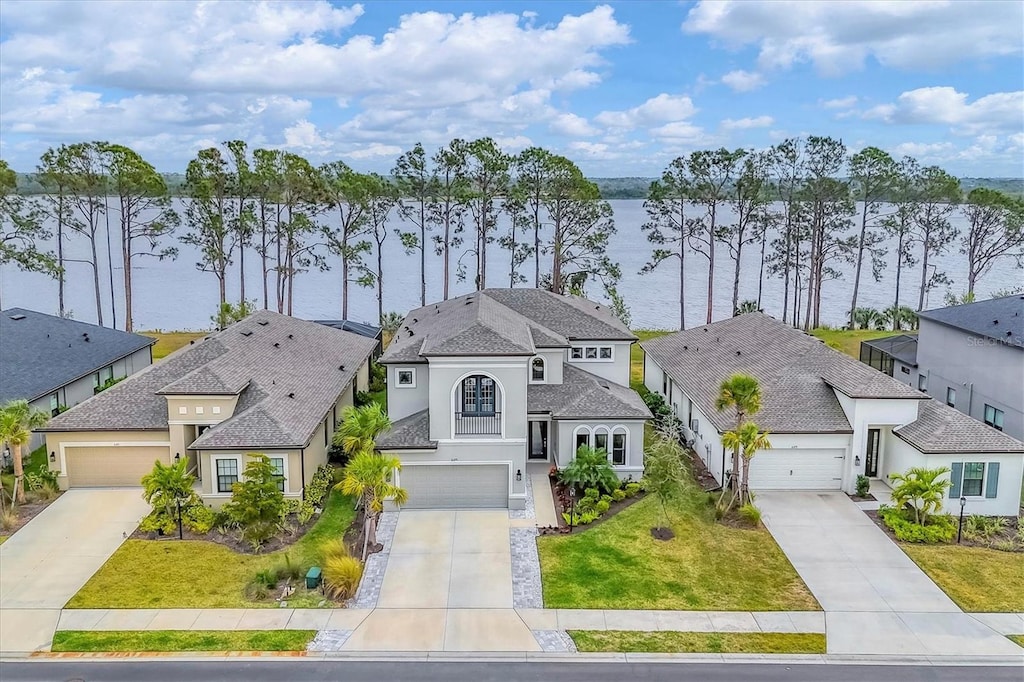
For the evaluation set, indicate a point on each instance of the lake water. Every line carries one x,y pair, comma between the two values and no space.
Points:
173,295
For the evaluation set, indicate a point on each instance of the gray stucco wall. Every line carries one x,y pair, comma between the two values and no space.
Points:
616,369
403,400
981,370
565,440
508,372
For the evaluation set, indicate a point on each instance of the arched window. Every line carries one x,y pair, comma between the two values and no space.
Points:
479,396
581,436
601,438
538,370
620,441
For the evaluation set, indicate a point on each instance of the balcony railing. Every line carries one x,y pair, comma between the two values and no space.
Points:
477,424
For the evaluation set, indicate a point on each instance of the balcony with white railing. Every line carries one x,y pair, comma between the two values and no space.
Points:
478,423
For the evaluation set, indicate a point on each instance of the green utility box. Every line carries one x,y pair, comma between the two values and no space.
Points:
313,578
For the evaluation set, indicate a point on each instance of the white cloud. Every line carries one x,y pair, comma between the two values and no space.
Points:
571,125
743,81
679,131
747,123
658,109
375,151
838,37
840,103
1000,111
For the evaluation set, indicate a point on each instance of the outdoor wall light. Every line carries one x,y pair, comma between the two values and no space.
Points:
53,456
856,460
519,474
177,457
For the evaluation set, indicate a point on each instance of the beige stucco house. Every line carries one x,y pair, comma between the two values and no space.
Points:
270,384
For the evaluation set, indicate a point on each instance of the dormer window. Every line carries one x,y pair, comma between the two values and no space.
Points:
538,370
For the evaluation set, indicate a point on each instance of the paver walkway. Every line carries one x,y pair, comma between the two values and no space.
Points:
876,600
46,562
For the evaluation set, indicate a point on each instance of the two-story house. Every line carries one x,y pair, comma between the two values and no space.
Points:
830,418
482,384
269,384
55,363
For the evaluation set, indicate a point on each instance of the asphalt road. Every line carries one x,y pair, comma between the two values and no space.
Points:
366,671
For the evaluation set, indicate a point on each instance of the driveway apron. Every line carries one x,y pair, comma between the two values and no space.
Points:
447,587
47,561
876,600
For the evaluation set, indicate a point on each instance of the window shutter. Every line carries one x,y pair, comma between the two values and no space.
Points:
992,485
956,475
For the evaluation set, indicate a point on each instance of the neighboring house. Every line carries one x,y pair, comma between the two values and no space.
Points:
830,418
971,357
361,328
894,355
269,384
55,363
482,384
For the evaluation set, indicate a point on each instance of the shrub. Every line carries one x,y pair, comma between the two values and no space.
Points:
619,495
585,504
8,518
363,398
632,489
266,577
341,576
288,570
983,527
941,527
257,504
320,485
199,519
291,505
378,377
331,549
750,514
587,517
606,498
306,512
158,523
863,486
256,591
38,480
592,494
590,469
163,487
602,507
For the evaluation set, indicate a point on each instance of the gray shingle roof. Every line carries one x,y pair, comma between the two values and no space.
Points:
998,318
501,322
795,371
288,371
39,353
408,433
940,429
583,395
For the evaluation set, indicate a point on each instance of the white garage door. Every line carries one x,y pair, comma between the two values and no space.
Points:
797,469
455,486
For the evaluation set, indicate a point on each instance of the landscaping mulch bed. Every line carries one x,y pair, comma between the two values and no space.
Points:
355,535
561,497
1009,534
233,540
866,498
27,512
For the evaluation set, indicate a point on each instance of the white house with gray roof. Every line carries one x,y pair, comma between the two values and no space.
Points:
269,384
830,418
480,385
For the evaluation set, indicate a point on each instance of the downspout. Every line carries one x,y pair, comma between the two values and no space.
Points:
970,399
302,469
722,482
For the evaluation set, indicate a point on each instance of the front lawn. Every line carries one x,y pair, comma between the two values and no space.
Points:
706,567
182,640
199,574
978,579
622,641
1017,639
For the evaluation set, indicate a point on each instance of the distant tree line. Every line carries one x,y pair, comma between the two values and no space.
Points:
805,206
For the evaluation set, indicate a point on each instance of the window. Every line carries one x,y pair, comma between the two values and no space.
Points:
199,409
582,438
951,396
327,434
405,378
619,447
601,439
106,374
537,369
215,409
593,353
278,464
577,354
695,426
974,475
904,369
664,384
922,382
55,405
227,474
994,417
479,396
605,352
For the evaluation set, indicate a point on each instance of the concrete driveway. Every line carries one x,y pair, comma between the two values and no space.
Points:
45,563
447,587
876,600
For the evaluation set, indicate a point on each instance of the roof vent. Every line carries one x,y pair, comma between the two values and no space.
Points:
705,330
341,367
738,353
686,348
411,333
291,395
291,336
192,342
414,320
277,345
247,332
86,337
263,323
995,321
1009,333
19,316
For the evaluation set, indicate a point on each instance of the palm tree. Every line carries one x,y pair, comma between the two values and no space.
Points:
746,307
922,489
866,318
749,439
370,478
360,427
900,317
17,420
741,392
165,485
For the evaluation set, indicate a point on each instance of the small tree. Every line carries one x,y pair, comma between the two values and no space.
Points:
257,503
741,392
922,490
664,474
17,420
164,486
748,440
229,313
590,469
360,427
370,478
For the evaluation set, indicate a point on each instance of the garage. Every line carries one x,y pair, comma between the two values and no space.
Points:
455,486
109,466
797,469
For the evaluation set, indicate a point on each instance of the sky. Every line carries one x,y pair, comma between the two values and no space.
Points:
621,88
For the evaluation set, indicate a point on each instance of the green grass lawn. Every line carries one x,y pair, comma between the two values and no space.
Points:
623,641
848,341
978,579
182,640
1017,639
168,342
707,567
636,355
199,574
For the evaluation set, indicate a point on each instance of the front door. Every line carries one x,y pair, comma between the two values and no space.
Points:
871,456
538,440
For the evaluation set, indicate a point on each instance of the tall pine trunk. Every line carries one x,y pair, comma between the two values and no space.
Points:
60,255
423,254
344,276
760,274
682,286
482,251
924,273
899,276
96,279
536,246
736,276
860,262
446,252
110,267
380,285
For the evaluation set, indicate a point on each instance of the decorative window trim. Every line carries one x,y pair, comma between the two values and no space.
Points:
215,409
609,432
182,409
455,401
399,371
199,409
981,481
544,369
